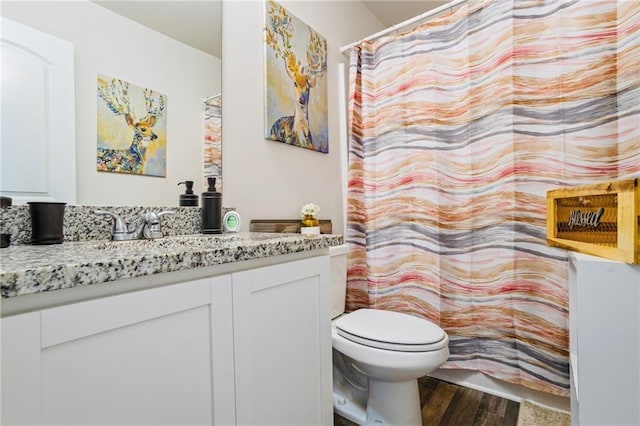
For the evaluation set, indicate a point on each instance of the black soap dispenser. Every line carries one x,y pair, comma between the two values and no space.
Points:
188,199
211,209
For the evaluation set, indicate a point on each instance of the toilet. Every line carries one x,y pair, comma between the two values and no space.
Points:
378,357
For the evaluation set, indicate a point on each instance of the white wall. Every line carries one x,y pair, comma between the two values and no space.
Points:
264,179
261,178
106,43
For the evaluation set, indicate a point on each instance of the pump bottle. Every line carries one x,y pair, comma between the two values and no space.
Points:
211,209
188,199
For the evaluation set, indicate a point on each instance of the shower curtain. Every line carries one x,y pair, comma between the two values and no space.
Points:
457,130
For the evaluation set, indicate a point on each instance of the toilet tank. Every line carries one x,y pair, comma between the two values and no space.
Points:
338,255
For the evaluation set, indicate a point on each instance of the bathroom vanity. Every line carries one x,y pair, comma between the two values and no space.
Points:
234,332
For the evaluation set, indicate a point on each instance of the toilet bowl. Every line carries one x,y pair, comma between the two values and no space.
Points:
377,358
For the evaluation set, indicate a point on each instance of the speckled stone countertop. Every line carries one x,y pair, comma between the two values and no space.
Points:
27,269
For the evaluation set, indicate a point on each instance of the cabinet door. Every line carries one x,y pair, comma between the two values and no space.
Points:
282,340
604,341
147,357
21,369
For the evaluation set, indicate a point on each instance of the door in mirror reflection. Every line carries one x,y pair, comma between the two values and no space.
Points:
38,121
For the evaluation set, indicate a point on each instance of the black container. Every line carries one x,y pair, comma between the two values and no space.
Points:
211,209
5,239
188,199
47,219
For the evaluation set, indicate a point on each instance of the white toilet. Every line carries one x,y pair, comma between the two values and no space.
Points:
378,357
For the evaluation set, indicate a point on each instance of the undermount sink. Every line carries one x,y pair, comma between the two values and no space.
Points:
167,242
194,241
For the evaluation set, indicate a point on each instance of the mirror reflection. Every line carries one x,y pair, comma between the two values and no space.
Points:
194,23
172,47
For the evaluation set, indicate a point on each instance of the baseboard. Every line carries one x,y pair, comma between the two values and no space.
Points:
481,382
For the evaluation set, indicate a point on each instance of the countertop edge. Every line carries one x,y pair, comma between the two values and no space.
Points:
33,270
64,296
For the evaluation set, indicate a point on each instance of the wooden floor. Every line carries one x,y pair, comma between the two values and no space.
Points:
446,404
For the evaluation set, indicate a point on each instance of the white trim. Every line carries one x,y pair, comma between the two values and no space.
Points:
481,382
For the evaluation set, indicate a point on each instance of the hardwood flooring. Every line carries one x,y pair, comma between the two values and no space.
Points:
446,404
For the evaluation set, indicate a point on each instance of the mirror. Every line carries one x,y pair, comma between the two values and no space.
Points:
107,41
195,23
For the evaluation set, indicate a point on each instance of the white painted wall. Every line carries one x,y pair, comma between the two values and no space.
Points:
264,179
106,43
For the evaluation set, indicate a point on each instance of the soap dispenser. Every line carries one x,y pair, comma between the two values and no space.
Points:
211,209
188,199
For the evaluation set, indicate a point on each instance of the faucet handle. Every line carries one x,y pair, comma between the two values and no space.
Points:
152,227
152,217
166,212
118,224
149,217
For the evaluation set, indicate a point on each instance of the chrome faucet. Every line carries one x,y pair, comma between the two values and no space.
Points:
148,228
151,228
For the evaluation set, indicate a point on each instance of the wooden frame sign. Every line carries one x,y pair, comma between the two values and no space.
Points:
601,219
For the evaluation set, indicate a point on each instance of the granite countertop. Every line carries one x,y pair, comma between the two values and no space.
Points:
28,269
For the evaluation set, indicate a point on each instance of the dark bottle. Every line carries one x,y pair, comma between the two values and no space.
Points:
5,239
211,209
188,199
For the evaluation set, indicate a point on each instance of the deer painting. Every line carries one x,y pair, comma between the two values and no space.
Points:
114,155
286,36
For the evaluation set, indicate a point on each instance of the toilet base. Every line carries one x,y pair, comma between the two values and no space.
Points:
382,409
349,409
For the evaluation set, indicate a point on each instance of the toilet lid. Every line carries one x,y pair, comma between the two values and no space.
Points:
391,330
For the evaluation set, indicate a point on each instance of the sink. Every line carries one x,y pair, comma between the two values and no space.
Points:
193,241
166,242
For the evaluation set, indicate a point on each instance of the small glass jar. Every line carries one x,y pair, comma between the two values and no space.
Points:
309,221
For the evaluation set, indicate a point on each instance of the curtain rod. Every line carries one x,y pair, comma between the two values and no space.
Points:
406,23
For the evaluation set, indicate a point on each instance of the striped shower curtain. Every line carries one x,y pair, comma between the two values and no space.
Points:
457,130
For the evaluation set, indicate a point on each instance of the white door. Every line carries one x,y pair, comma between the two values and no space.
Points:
282,340
147,357
37,142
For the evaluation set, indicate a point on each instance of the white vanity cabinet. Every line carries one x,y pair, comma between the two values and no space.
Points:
221,350
147,357
604,333
282,338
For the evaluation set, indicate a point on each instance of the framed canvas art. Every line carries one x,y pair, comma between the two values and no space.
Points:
295,81
132,128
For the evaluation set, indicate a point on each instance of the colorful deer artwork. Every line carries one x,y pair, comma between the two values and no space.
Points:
290,83
113,154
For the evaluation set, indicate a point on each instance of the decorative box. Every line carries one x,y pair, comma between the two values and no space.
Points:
601,219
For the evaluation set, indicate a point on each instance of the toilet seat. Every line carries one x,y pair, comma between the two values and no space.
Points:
391,331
